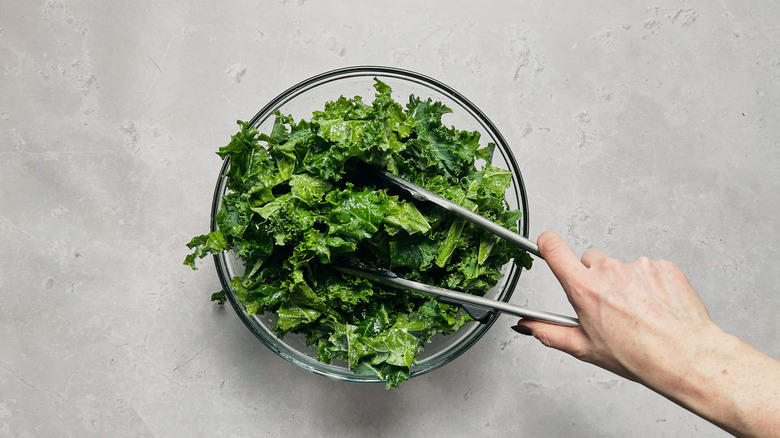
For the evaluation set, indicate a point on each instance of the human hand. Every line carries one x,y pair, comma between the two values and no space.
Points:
640,320
643,321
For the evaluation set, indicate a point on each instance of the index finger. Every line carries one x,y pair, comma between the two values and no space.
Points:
561,259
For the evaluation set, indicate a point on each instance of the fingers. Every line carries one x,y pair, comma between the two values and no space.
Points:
593,256
570,340
559,257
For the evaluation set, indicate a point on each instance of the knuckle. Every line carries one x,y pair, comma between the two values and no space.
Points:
644,261
612,264
645,264
589,251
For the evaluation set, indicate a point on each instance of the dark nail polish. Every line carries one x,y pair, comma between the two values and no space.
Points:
523,330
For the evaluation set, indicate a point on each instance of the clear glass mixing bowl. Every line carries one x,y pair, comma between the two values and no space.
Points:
310,95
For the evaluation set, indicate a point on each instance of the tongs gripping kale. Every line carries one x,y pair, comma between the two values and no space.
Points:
296,203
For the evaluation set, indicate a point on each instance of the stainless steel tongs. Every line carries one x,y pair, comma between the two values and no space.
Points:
420,194
480,308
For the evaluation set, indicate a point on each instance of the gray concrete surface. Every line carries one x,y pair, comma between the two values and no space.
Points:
642,128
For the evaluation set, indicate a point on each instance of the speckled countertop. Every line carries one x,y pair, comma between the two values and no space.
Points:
642,128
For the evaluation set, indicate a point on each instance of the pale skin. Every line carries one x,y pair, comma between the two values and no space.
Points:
645,322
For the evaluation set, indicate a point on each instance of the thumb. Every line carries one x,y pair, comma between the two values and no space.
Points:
571,340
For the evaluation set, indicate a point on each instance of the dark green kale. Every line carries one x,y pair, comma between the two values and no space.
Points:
294,205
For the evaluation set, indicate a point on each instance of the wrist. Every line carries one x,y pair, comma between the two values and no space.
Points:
694,377
720,378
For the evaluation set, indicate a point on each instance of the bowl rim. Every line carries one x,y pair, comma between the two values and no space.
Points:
220,259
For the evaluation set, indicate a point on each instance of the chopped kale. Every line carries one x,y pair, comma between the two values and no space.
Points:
296,203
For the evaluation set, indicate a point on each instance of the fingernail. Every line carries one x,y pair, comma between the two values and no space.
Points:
523,330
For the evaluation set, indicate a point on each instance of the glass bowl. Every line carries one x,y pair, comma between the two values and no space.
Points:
310,95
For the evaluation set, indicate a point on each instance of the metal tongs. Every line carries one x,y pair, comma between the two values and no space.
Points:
479,308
